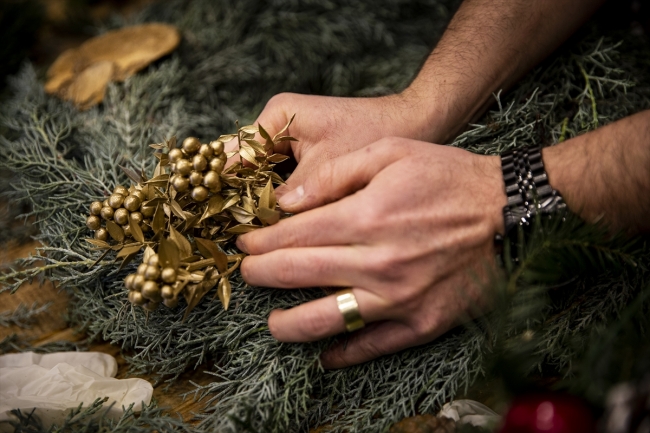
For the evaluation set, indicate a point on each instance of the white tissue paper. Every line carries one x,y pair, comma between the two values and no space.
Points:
54,383
470,412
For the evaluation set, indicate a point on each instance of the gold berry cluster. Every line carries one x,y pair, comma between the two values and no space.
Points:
197,168
124,207
153,283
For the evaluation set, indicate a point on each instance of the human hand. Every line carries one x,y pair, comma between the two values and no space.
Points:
408,225
328,127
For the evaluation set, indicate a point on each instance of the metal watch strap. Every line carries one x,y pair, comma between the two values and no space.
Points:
527,188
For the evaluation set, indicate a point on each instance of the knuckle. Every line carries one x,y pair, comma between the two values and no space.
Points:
324,176
278,100
426,326
390,143
285,274
387,266
371,216
371,348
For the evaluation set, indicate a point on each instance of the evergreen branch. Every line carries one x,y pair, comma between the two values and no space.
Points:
22,316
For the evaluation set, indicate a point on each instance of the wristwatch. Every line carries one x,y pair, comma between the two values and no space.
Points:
528,190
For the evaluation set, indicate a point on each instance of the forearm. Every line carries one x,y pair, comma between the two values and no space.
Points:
605,174
488,46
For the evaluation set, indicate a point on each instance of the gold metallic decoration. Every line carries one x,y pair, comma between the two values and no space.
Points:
187,214
95,208
349,309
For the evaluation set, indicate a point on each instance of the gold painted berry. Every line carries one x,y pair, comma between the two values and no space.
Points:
93,222
191,145
95,207
168,275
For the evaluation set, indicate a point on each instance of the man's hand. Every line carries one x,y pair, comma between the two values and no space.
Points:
408,225
488,45
328,127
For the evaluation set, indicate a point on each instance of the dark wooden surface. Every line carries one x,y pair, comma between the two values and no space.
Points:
50,326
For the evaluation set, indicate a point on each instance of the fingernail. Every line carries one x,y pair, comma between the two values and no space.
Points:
292,198
241,245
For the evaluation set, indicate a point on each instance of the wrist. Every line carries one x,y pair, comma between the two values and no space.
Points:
494,196
445,106
424,115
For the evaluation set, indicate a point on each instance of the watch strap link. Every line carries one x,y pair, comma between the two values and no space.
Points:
527,188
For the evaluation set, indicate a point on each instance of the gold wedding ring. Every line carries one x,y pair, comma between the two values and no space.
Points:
349,308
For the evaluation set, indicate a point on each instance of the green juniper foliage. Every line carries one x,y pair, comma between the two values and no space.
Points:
233,58
92,418
22,316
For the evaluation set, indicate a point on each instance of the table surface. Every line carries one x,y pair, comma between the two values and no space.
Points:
50,326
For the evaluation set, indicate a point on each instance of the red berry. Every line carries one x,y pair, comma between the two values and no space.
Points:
548,413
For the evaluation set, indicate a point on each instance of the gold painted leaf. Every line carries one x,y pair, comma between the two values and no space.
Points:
158,222
210,250
285,138
276,178
268,216
231,201
232,169
191,297
191,221
214,206
275,137
277,158
267,198
231,181
241,215
115,231
98,243
249,129
128,250
184,247
177,209
265,135
159,181
148,252
227,137
155,201
171,143
248,204
247,153
132,174
168,253
257,146
240,229
224,291
136,231
127,260
157,146
268,145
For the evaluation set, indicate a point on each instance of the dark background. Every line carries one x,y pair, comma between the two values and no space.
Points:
39,30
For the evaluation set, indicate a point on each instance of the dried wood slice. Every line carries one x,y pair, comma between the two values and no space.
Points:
129,49
88,87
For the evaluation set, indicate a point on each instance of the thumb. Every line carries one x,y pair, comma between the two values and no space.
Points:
336,178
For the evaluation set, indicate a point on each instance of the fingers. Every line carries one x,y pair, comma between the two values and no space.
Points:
342,176
321,318
329,225
305,267
369,343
